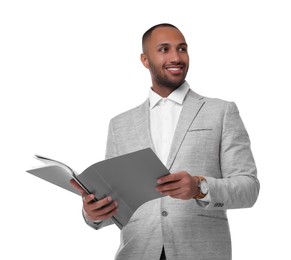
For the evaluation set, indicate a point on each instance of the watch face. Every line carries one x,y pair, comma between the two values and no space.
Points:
204,187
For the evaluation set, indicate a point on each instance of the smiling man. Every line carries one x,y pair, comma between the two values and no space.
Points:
205,146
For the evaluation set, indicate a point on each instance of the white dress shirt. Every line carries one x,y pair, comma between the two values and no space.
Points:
164,116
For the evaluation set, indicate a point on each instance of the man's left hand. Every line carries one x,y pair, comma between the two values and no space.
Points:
179,185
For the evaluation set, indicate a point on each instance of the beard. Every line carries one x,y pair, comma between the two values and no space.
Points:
164,80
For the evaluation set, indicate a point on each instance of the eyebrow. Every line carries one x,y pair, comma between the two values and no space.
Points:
168,44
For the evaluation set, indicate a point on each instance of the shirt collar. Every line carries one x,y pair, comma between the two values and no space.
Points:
178,95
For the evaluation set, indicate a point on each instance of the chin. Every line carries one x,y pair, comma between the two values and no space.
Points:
174,84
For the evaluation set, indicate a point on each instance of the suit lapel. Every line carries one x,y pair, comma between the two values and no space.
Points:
142,124
191,107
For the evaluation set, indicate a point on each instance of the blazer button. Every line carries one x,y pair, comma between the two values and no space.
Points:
164,213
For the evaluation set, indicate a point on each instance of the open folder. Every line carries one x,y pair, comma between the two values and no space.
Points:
129,179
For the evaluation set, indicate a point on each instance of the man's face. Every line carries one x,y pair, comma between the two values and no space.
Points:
166,57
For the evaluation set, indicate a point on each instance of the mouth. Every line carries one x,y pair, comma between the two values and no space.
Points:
174,69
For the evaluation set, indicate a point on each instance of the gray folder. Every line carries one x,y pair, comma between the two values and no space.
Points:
129,179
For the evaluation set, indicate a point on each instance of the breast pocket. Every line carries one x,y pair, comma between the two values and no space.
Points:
199,136
201,129
195,146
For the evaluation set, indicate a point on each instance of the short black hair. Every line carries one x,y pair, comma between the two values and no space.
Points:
148,33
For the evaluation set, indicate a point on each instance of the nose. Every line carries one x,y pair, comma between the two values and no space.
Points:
175,56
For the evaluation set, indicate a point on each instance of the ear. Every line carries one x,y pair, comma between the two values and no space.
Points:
144,60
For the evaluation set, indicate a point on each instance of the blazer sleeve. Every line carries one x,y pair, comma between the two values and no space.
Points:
239,185
111,146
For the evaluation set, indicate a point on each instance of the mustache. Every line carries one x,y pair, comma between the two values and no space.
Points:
180,65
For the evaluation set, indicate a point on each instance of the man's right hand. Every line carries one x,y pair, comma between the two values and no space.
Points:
96,210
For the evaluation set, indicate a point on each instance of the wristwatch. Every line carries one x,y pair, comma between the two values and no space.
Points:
203,188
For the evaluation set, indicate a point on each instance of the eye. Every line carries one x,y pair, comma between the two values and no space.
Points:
163,49
182,49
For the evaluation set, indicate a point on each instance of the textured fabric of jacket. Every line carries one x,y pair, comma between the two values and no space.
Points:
210,140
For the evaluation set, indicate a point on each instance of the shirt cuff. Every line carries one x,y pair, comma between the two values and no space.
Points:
207,198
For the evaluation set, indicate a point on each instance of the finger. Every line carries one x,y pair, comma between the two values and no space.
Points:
103,213
105,210
108,215
170,177
169,186
97,204
77,186
172,192
88,198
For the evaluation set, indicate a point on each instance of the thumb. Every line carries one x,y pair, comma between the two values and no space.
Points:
78,187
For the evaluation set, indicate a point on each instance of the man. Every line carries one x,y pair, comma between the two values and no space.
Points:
203,143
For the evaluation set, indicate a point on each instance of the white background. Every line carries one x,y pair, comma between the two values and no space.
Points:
67,67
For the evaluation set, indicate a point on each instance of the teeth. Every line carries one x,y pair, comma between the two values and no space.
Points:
174,69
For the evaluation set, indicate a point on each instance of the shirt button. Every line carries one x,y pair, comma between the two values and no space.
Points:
164,213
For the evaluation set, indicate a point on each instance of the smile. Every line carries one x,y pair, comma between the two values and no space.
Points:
174,70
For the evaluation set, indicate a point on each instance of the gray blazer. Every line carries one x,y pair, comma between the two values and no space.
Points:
211,141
